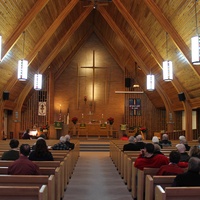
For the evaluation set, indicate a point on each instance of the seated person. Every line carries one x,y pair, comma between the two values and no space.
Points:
183,140
131,146
191,177
184,156
172,168
157,149
42,136
69,144
139,142
165,141
61,145
12,154
26,135
124,137
41,152
194,151
148,159
155,140
23,166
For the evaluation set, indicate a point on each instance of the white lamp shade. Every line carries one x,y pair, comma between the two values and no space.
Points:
195,42
150,82
167,70
22,70
38,81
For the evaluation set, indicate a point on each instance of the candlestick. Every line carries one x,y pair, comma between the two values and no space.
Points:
82,115
102,116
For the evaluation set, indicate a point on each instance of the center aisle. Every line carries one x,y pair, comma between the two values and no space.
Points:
96,177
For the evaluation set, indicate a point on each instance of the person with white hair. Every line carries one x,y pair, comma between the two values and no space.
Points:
155,140
61,145
139,142
165,141
69,144
183,140
131,146
182,150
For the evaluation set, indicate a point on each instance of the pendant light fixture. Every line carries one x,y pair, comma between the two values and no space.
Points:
167,65
23,65
150,82
38,81
195,42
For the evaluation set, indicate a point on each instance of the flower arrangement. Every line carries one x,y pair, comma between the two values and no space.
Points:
45,127
110,120
74,120
143,129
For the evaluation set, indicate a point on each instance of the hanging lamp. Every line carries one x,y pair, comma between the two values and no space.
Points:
38,81
23,66
150,82
167,66
195,42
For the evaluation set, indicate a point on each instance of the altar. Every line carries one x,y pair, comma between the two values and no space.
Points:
94,129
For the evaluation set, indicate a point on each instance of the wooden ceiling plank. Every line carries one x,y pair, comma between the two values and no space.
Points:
137,58
44,39
38,6
148,44
167,26
53,54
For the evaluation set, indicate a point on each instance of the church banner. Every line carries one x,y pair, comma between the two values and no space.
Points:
135,107
42,109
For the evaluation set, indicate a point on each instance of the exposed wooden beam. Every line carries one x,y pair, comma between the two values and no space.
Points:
43,40
148,44
53,54
133,53
168,27
38,6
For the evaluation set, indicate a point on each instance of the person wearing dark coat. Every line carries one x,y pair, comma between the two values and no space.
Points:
131,146
191,178
140,144
41,152
69,144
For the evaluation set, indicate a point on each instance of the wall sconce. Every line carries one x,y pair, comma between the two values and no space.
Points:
150,82
22,66
195,43
38,81
167,66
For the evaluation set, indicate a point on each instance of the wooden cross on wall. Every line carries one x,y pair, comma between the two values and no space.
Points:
93,67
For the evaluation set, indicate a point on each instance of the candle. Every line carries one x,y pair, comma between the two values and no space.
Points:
82,115
102,116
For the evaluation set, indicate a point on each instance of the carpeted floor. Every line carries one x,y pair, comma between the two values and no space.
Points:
96,178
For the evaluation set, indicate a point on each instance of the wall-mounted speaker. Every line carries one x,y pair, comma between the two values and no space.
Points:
127,82
5,95
181,96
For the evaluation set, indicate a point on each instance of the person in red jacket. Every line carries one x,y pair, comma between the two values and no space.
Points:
147,158
172,168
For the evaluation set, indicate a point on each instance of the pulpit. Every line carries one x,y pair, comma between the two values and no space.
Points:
58,126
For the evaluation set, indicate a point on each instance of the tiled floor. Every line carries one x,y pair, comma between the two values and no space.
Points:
96,178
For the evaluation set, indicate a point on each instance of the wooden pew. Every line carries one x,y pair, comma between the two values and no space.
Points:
30,180
177,193
152,181
141,175
23,192
59,173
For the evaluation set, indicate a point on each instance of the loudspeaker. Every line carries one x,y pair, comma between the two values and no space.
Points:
127,82
181,96
5,95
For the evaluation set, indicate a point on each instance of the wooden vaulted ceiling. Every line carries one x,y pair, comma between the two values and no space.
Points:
133,31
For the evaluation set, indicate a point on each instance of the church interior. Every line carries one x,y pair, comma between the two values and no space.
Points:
95,58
